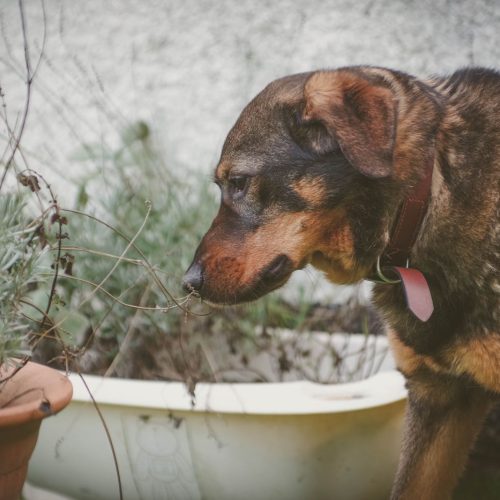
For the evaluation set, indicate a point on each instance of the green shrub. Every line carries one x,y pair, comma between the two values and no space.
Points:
21,267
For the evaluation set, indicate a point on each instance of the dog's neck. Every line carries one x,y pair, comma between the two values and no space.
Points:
409,221
393,266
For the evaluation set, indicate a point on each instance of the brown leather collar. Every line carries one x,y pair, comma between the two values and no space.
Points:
395,260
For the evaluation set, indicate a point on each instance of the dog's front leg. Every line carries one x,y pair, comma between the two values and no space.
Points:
443,418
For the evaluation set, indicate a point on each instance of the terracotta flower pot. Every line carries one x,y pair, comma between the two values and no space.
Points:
33,393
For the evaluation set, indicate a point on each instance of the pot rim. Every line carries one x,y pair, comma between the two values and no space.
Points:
281,398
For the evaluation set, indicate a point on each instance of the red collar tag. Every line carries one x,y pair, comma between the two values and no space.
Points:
417,292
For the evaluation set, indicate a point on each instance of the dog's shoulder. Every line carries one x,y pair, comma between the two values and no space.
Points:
469,138
469,159
469,82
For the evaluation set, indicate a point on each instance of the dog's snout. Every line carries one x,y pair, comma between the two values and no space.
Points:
193,279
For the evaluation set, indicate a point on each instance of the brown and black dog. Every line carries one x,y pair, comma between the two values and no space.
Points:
315,171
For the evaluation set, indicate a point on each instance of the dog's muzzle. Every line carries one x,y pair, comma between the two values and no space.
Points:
275,274
193,279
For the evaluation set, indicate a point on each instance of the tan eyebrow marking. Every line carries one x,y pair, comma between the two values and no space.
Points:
312,191
222,170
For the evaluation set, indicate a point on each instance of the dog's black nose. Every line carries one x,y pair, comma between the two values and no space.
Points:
193,279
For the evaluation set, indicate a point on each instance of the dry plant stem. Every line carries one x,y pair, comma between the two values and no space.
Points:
97,287
378,366
56,276
45,319
44,40
153,273
44,334
101,321
108,435
66,353
21,364
30,75
118,261
189,383
15,140
139,251
129,335
137,262
170,374
207,352
56,264
55,207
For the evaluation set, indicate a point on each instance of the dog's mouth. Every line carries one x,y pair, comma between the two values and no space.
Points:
271,277
278,269
274,275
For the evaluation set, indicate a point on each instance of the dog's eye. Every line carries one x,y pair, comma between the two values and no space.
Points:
238,185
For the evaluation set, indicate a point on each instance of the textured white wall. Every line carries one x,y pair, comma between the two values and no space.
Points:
189,66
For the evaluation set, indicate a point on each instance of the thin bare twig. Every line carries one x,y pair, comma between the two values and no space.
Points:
103,318
29,80
108,434
73,248
44,40
129,335
22,364
96,287
127,248
56,260
139,251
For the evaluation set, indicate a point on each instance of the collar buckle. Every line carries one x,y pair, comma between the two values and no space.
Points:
382,278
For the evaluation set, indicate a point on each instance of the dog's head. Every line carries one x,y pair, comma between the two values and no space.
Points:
307,175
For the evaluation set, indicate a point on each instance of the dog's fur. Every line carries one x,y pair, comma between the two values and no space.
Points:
314,171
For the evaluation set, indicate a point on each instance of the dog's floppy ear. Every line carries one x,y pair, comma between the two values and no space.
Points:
359,114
